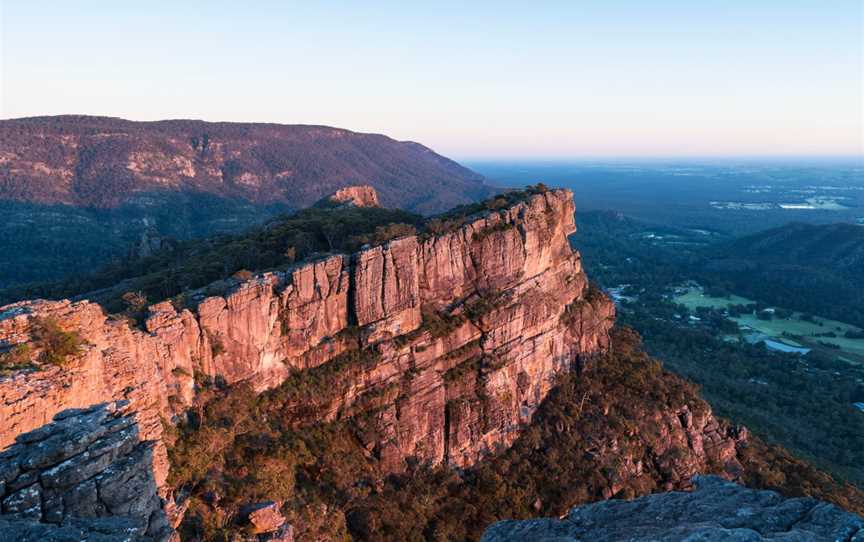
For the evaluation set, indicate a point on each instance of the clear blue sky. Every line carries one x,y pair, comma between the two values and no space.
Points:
470,79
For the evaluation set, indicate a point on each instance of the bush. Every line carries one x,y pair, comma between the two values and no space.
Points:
57,345
16,358
243,275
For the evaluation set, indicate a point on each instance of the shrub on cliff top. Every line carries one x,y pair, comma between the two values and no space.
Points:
18,357
57,344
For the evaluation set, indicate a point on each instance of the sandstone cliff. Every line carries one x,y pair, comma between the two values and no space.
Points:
463,334
430,349
357,196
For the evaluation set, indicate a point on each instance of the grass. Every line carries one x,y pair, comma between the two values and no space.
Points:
695,298
806,330
776,327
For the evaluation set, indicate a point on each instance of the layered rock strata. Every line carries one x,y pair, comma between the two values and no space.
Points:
509,288
87,474
715,510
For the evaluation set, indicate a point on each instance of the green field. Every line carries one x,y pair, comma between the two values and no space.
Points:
695,298
776,327
807,330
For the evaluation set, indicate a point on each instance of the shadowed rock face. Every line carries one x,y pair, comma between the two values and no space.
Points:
716,510
86,475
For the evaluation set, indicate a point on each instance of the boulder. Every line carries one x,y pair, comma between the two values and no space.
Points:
715,510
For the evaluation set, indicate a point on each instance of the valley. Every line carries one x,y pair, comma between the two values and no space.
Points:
428,369
777,326
770,366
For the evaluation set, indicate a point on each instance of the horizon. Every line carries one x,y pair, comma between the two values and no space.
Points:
473,83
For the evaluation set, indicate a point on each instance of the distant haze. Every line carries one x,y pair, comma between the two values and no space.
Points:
469,79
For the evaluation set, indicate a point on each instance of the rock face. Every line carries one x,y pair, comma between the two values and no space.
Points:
509,285
266,517
87,471
356,196
460,337
715,510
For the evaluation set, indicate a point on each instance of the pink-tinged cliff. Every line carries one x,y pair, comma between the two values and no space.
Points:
461,336
509,280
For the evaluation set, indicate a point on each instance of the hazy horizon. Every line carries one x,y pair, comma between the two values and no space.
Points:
484,81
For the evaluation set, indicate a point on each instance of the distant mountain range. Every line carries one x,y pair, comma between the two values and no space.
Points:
105,162
76,191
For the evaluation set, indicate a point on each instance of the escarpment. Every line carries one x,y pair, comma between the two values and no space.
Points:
301,393
481,317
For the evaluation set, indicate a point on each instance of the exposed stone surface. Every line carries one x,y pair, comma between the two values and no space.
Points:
716,510
469,329
88,471
356,196
113,529
512,272
264,517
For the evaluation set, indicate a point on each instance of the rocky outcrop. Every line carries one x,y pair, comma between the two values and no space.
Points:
86,473
448,342
715,510
265,520
507,284
355,196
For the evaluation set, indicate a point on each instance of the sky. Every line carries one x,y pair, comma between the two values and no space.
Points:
472,80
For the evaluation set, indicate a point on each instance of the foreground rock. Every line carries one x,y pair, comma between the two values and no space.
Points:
715,510
87,475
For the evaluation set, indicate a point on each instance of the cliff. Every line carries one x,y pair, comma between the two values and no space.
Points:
322,398
460,337
715,510
357,196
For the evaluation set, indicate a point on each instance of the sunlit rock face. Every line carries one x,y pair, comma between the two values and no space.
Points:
467,330
355,196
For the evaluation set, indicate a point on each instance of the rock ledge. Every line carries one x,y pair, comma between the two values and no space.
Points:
716,510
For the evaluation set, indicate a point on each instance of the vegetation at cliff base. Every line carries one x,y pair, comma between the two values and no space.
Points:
805,403
238,448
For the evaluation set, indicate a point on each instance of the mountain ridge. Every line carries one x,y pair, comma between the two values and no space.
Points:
79,191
